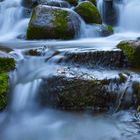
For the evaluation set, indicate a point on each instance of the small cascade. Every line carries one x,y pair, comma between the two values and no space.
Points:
12,23
100,6
24,96
129,15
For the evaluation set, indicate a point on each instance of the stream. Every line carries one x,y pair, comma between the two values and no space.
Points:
24,119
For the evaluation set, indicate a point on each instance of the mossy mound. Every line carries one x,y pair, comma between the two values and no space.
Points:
3,89
88,12
52,23
132,50
6,64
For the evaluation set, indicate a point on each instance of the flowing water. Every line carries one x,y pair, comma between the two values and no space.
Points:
24,119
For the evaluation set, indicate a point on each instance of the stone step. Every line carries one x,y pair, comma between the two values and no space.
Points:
75,92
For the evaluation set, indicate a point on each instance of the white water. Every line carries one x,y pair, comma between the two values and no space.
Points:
130,15
12,22
24,120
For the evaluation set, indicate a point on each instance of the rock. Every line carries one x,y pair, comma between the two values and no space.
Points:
6,64
136,89
62,4
105,30
78,93
53,23
74,94
33,3
132,50
29,3
96,59
73,2
88,12
3,89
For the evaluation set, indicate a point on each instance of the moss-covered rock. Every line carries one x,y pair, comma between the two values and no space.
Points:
88,12
132,50
3,89
6,64
52,23
105,30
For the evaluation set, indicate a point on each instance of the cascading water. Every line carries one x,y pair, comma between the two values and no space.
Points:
24,119
129,15
12,23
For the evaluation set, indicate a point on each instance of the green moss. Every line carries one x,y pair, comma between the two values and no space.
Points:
56,30
7,64
3,90
110,28
60,22
89,12
131,52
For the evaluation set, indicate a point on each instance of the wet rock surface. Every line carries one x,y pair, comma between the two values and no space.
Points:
88,80
53,23
131,49
75,90
88,12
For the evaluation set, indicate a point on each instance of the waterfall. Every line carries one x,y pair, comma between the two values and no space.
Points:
100,6
129,15
12,22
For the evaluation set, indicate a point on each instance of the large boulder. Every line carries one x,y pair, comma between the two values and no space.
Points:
88,12
53,23
132,50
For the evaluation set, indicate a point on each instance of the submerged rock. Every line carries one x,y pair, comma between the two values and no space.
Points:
105,30
132,50
53,23
88,12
